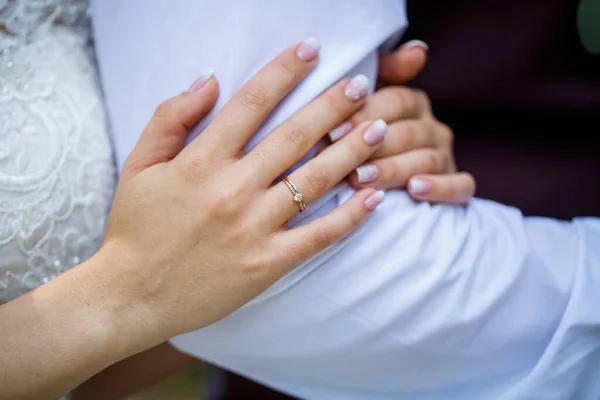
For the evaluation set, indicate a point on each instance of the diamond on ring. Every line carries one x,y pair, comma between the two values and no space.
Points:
298,198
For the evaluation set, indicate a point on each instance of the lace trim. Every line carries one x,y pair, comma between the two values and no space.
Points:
57,174
24,21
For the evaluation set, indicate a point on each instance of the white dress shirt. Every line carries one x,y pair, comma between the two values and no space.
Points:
421,302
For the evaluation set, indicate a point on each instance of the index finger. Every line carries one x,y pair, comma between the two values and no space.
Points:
242,115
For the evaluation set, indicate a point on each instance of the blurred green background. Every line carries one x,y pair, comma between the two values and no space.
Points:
188,385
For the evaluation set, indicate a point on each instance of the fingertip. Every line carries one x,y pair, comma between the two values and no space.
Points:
359,199
420,186
455,188
354,181
374,200
470,182
415,43
203,78
362,204
202,95
414,53
211,89
404,63
340,131
308,50
204,89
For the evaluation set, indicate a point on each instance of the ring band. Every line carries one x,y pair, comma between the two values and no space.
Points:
298,198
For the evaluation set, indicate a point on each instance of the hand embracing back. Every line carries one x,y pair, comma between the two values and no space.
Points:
418,152
201,228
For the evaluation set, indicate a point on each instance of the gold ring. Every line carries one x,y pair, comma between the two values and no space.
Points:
298,198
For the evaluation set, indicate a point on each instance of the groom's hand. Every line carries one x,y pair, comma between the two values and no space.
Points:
417,154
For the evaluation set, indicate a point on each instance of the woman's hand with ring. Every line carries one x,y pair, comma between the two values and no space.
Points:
197,230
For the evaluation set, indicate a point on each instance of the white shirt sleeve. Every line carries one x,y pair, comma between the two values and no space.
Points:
422,301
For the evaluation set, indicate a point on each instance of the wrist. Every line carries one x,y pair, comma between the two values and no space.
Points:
66,331
130,324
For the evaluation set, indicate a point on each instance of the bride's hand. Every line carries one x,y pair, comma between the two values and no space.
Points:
195,233
417,153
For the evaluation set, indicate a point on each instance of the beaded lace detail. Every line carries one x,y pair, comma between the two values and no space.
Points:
57,174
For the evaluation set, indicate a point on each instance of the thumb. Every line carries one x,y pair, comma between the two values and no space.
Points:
165,134
403,64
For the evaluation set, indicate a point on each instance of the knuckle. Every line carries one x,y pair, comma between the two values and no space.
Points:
471,182
394,175
422,97
443,162
170,113
322,237
297,135
168,109
407,137
376,106
445,134
254,265
254,98
317,181
431,161
193,170
447,162
224,203
399,99
450,190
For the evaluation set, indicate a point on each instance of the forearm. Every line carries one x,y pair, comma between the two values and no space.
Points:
64,332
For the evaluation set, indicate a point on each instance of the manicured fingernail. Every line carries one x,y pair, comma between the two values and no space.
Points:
375,132
374,200
308,50
340,131
367,173
419,186
416,43
201,80
357,88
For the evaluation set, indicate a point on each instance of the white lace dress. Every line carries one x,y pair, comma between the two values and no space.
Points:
56,167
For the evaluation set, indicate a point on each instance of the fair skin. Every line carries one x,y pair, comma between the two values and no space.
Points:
416,145
149,282
425,149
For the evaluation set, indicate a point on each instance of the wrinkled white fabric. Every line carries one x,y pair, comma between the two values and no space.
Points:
421,302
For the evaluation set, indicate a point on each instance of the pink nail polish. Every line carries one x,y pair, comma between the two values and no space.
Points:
308,50
367,173
419,186
416,43
340,131
357,88
201,80
374,134
374,200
